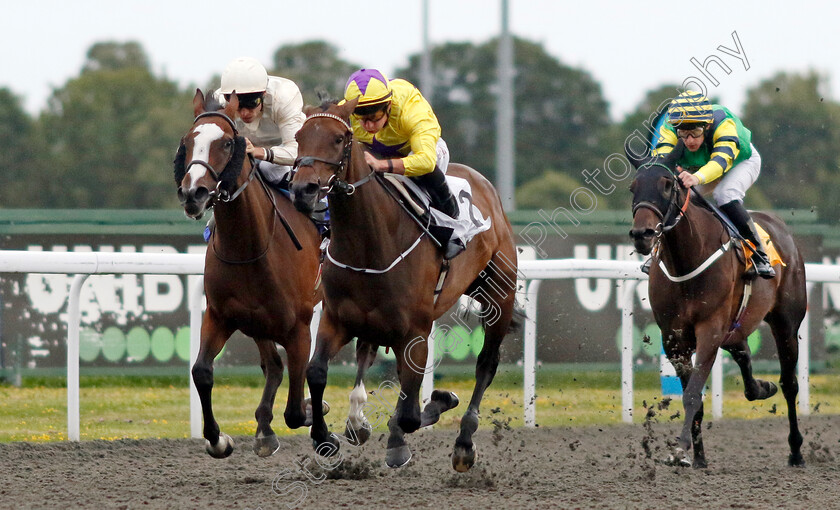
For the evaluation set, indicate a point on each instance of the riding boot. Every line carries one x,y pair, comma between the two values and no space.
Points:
739,216
435,183
442,199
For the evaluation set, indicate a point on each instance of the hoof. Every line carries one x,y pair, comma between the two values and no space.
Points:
448,399
266,446
796,460
222,449
308,406
398,457
328,448
357,437
678,457
463,459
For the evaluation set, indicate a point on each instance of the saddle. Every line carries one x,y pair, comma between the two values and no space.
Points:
747,249
441,226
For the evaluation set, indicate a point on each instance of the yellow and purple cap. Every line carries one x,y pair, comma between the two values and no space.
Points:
370,86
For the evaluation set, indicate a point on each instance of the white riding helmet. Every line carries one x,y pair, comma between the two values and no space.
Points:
245,75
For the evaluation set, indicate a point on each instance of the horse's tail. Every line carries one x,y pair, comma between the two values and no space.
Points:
517,320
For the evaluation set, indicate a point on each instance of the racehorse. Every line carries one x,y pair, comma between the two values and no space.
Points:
260,270
701,300
379,284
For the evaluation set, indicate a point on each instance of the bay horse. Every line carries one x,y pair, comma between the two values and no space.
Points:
380,282
697,293
260,270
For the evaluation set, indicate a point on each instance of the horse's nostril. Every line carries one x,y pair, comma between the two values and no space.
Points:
182,197
201,194
311,188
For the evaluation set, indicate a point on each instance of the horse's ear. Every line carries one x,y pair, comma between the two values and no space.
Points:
635,160
347,108
198,103
232,105
310,109
670,159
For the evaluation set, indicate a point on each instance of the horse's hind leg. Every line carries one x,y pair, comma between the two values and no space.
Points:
754,389
785,332
358,428
266,443
496,317
411,364
213,338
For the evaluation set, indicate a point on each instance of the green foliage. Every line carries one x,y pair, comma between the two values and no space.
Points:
21,152
108,135
112,133
796,130
314,66
560,113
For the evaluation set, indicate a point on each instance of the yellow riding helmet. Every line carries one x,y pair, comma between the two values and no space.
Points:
690,107
370,86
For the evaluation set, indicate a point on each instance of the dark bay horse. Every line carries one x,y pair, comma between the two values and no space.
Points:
256,279
697,293
380,280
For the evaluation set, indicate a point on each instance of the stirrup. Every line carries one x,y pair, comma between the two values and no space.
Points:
645,267
764,269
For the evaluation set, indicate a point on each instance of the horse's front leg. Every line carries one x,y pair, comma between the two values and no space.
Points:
331,337
213,338
693,400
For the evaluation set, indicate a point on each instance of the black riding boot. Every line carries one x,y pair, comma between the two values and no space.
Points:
435,183
442,199
739,216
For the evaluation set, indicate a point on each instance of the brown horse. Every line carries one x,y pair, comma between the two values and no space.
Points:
697,293
379,284
256,279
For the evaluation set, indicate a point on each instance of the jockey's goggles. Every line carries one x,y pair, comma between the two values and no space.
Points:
694,132
248,101
374,117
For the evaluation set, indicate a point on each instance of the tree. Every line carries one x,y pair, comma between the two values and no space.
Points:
21,160
314,66
113,132
560,113
795,129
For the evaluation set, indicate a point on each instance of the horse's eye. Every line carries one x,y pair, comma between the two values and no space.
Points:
228,144
339,139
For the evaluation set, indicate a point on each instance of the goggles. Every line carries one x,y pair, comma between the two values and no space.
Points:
374,117
694,133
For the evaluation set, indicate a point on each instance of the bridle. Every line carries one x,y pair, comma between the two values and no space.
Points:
220,194
674,213
336,184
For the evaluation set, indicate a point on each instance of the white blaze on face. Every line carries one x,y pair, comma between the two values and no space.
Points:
205,135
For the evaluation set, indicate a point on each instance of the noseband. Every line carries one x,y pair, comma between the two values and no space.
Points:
674,213
219,194
336,183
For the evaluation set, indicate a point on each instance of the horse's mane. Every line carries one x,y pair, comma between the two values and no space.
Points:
211,104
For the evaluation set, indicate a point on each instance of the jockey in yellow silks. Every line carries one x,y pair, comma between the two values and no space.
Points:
402,134
717,146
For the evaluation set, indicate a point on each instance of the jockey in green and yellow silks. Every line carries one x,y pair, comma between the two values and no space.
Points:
718,146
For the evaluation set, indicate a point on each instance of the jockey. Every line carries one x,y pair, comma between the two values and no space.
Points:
397,124
270,113
718,146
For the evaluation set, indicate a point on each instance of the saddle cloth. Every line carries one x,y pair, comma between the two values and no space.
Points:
470,220
772,252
